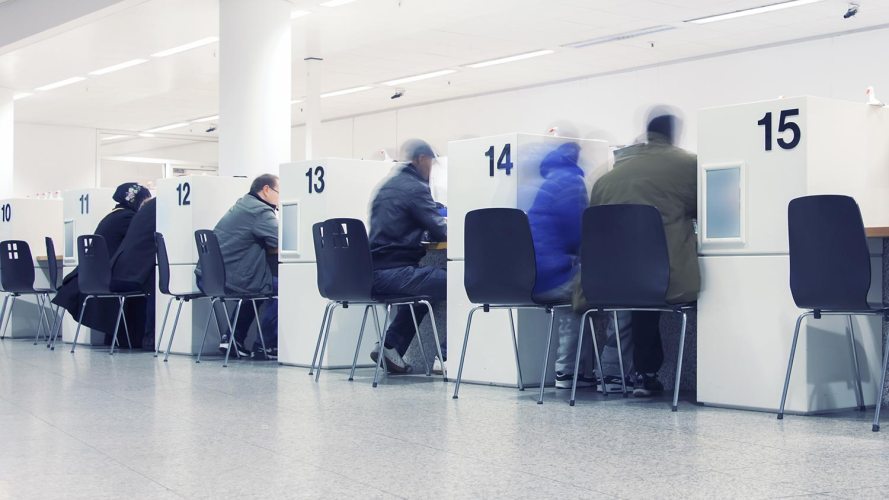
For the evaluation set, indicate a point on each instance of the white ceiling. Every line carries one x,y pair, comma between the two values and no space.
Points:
371,41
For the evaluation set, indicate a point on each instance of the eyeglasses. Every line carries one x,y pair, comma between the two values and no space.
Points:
275,190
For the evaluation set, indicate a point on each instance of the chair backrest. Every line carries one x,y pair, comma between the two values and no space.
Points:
212,263
53,263
93,265
624,261
343,261
16,266
500,263
163,265
829,258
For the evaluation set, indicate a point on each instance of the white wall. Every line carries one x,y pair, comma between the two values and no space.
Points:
51,158
613,106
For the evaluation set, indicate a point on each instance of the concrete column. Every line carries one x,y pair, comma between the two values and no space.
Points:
254,86
7,117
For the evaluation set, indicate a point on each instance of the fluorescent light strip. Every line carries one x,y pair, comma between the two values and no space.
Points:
21,95
296,101
517,57
60,83
188,46
116,67
167,127
335,3
416,78
345,91
113,137
298,13
619,36
206,119
751,12
144,134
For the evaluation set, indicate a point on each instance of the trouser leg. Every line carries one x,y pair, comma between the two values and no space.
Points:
610,361
648,353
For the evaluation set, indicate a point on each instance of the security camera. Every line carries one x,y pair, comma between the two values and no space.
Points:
211,129
398,93
853,9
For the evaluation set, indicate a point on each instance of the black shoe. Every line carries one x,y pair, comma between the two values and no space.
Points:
269,354
564,381
238,350
613,386
647,385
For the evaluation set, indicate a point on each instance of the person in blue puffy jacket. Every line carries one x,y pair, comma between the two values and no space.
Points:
555,218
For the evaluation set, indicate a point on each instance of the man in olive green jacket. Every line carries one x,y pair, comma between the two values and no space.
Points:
660,174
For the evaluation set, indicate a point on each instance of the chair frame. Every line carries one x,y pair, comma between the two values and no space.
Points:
40,294
180,298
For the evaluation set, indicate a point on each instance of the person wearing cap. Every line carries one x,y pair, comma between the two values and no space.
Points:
401,213
659,174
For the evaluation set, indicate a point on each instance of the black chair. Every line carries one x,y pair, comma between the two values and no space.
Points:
94,280
17,279
500,273
213,286
830,274
345,277
625,266
163,284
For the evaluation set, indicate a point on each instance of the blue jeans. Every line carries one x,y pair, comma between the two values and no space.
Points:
412,280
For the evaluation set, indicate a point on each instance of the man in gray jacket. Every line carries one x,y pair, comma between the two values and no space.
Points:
248,234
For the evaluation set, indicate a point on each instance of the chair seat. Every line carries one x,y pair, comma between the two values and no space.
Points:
112,295
393,299
682,306
188,296
242,296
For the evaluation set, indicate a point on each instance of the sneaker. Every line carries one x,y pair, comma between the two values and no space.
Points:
241,350
647,385
437,366
223,343
564,381
394,362
269,354
612,384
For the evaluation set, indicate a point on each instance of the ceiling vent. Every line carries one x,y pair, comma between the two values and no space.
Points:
620,36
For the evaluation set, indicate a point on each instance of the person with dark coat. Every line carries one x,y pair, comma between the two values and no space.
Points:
113,227
400,213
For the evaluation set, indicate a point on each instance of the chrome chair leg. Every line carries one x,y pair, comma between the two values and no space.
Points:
358,345
212,314
420,340
5,326
620,359
515,350
160,337
117,326
58,318
799,321
381,359
549,342
259,325
324,342
41,317
463,351
79,322
3,315
231,329
444,367
859,394
577,359
320,335
173,331
126,327
880,389
675,406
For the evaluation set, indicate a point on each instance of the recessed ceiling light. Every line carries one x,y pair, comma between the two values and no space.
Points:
517,57
21,95
335,3
116,67
750,12
298,13
60,83
619,36
188,46
113,137
206,119
168,127
346,91
417,78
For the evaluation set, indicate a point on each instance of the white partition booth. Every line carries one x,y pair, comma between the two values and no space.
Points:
501,171
313,191
82,211
30,220
184,205
753,159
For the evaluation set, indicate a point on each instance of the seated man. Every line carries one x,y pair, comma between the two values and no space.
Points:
660,174
400,213
247,234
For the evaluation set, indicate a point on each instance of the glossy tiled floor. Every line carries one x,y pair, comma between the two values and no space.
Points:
96,426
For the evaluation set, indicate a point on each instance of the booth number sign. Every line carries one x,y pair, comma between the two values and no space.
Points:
504,161
6,212
787,128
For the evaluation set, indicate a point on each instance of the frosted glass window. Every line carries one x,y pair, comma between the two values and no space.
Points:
290,230
724,203
69,239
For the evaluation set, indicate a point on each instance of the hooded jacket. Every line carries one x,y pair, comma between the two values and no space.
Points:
245,234
555,217
400,213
